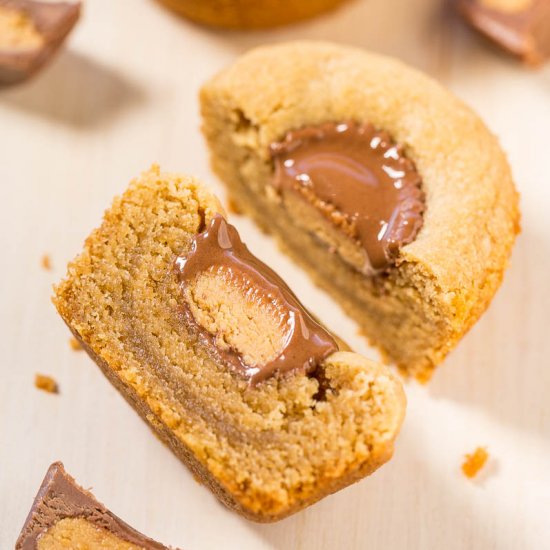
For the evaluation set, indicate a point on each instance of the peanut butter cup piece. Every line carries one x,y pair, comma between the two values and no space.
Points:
214,350
387,189
31,31
521,27
64,515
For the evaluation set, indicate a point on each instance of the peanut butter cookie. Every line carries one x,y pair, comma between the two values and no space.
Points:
386,188
216,353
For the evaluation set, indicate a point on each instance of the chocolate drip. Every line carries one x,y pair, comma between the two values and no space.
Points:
306,343
357,178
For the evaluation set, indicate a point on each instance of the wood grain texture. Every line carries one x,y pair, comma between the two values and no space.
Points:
124,94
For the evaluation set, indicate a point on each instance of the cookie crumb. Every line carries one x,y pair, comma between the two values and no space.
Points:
46,383
233,207
474,462
46,262
75,344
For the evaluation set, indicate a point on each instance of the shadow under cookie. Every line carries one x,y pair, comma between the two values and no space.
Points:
77,91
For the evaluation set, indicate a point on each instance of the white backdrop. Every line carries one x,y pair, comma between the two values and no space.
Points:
123,95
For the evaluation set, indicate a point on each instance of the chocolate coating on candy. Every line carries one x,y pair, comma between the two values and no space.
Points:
51,21
358,179
58,498
522,27
305,344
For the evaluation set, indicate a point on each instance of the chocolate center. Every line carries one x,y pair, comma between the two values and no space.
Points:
357,178
243,311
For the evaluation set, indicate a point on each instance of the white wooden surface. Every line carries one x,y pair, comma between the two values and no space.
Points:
124,94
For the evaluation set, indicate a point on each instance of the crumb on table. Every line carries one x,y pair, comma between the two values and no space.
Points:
474,462
46,383
46,262
75,344
233,207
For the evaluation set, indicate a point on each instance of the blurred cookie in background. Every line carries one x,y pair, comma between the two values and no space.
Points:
249,14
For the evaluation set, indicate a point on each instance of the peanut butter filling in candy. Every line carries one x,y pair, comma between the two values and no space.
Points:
31,31
522,27
17,30
359,180
243,311
64,515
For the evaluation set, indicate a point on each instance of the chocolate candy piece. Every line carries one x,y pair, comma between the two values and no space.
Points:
263,314
359,180
30,33
64,511
522,27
